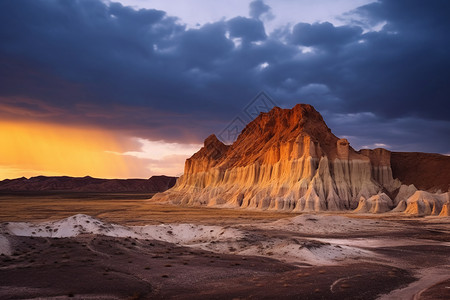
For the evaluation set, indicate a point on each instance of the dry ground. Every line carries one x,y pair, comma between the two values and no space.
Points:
127,209
402,257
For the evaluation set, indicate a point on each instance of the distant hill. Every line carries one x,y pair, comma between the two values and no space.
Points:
427,171
87,184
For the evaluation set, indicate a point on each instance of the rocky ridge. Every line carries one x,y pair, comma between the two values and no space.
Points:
289,160
87,184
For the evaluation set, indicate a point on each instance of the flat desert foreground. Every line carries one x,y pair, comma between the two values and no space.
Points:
92,246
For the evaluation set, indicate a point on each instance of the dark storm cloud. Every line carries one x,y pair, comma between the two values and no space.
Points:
404,69
143,71
81,42
202,48
258,8
324,34
367,130
249,29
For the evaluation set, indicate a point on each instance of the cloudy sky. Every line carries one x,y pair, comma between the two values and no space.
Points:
131,88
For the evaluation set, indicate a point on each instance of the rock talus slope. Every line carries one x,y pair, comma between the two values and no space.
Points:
288,160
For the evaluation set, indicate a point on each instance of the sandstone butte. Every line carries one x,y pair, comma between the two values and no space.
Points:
289,160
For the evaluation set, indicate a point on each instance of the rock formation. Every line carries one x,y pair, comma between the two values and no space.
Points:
424,203
404,193
445,212
401,206
427,171
288,160
376,204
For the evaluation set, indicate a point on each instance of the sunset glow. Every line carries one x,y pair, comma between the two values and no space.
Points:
30,149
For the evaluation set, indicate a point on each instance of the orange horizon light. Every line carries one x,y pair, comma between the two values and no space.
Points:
32,148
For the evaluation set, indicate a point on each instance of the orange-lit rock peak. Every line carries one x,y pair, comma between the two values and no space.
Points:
281,134
288,159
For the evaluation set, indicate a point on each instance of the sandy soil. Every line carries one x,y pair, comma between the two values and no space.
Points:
129,209
93,247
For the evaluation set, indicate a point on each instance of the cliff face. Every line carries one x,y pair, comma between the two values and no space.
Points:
289,160
286,159
427,171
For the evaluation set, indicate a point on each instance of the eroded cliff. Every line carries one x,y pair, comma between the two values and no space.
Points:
289,160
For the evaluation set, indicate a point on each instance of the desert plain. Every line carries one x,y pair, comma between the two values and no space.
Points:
123,246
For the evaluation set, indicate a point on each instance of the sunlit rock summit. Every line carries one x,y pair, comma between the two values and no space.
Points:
289,160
